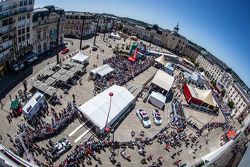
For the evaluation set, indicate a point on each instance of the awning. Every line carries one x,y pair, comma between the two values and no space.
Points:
64,78
43,87
62,71
50,91
50,81
163,80
70,73
46,72
37,84
56,76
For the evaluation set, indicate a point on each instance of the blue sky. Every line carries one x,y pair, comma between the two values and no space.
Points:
220,26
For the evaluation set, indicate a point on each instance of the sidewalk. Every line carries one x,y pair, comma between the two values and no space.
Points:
13,79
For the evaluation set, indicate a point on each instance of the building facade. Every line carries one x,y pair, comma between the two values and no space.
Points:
15,32
150,33
234,92
191,51
173,41
45,25
105,23
74,22
214,72
240,99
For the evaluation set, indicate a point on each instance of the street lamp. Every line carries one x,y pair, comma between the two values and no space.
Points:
83,20
105,29
96,30
57,40
106,128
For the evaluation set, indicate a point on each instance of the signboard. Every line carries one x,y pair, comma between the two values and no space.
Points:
53,34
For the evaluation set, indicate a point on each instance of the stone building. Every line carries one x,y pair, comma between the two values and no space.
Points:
15,33
74,22
45,26
173,40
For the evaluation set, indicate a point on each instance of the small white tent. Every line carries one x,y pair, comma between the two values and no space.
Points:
157,99
81,58
97,108
102,70
115,35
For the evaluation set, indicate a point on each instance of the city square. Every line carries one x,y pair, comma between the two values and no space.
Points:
109,97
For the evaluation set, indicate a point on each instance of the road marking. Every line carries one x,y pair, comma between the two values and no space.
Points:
82,135
76,129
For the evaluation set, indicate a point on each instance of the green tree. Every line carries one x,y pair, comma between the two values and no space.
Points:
231,104
223,92
196,64
201,69
213,83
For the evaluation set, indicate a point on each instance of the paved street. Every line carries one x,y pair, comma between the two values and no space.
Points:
80,130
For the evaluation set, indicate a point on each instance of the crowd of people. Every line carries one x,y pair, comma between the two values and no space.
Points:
27,137
124,71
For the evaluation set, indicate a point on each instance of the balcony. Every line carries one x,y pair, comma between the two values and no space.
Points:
24,11
6,30
9,7
6,45
5,57
12,13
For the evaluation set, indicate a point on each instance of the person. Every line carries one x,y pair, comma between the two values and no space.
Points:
150,157
118,164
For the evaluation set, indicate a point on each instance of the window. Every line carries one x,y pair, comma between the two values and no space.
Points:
19,32
21,3
28,29
19,18
173,38
28,16
30,2
23,31
28,36
25,2
23,17
23,38
19,39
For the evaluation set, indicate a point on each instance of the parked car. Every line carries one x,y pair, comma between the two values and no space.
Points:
65,50
94,48
143,117
60,148
157,117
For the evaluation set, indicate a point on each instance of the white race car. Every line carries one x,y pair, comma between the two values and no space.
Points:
60,148
143,117
157,117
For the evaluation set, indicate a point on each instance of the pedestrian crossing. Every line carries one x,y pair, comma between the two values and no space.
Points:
83,134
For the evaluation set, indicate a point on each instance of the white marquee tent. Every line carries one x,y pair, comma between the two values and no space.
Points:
97,108
163,80
80,57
